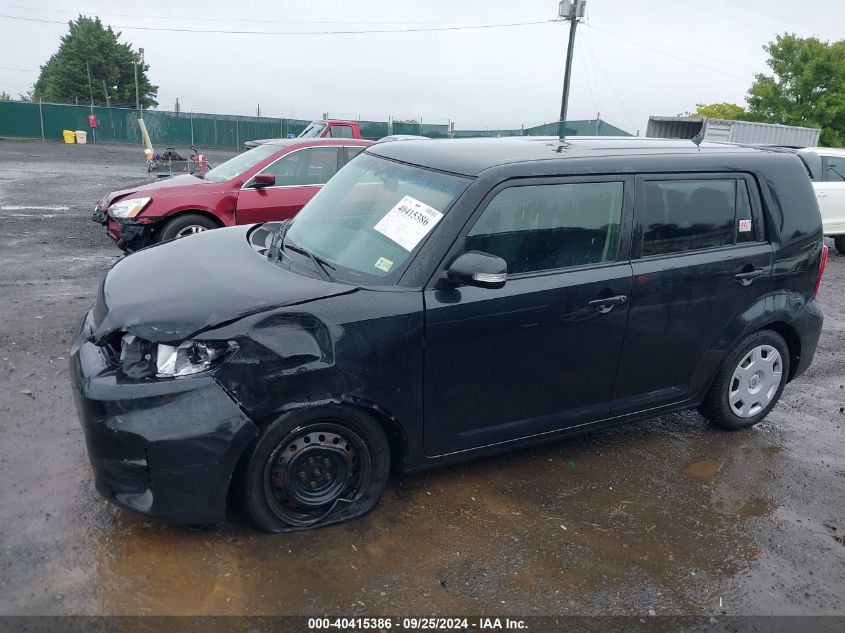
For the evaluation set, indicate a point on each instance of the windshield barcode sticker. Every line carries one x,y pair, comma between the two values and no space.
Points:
408,222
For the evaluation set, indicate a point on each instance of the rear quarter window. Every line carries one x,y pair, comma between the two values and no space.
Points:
682,215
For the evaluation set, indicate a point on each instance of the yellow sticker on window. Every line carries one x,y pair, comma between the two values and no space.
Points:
384,264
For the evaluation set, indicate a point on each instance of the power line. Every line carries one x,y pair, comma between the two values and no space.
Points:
22,70
351,32
785,17
671,56
248,20
596,108
722,16
695,54
606,77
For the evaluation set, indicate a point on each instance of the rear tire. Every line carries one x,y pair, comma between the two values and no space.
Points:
749,383
839,242
186,224
314,467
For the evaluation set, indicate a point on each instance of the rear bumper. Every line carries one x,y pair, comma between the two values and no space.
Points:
164,448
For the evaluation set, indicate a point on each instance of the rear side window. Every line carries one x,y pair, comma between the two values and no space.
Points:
352,152
544,227
686,215
833,169
340,131
312,166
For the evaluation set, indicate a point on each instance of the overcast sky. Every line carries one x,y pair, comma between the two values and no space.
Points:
628,61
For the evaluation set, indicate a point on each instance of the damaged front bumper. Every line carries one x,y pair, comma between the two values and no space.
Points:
164,448
131,236
128,235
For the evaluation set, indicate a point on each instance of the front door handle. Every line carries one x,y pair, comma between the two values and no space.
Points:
747,276
606,304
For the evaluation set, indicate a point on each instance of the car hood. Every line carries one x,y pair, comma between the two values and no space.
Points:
171,291
182,185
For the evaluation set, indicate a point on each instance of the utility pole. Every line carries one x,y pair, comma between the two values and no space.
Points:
137,96
573,11
106,92
90,88
138,57
91,92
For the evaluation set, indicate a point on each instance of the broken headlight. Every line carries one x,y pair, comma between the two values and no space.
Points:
142,359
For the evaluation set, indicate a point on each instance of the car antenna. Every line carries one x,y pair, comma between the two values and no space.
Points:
698,138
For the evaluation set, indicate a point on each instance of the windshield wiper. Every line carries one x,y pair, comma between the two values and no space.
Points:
275,250
321,263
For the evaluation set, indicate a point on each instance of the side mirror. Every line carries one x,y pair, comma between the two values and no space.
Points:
475,268
263,180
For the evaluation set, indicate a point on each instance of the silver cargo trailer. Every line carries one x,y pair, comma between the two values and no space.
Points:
732,131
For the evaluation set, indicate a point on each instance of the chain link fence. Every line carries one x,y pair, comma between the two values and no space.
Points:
25,119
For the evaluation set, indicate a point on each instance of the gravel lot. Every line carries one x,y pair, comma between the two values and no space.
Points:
669,516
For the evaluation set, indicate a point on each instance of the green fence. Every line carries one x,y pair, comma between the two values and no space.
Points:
47,120
181,129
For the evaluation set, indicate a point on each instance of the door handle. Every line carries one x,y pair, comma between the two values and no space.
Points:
747,276
606,305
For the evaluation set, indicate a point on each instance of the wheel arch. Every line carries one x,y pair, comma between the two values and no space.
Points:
182,212
396,437
793,343
394,431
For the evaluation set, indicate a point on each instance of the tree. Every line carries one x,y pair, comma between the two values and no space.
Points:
5,96
729,111
806,88
64,78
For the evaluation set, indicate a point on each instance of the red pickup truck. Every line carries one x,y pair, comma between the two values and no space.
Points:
327,128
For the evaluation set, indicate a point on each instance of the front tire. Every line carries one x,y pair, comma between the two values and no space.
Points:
839,242
315,467
186,224
749,383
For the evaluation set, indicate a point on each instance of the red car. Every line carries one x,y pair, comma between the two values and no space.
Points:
270,182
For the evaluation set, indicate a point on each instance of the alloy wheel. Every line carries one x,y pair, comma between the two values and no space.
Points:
190,230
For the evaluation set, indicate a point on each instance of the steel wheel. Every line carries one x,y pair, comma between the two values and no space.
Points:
190,230
755,381
313,468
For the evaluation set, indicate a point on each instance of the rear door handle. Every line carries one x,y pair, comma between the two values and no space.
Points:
746,277
606,305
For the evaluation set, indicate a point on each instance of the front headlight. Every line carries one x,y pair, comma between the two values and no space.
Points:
190,357
128,208
142,359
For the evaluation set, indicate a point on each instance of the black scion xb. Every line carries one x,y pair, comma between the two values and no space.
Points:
442,300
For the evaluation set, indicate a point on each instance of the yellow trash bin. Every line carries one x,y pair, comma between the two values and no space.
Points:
70,136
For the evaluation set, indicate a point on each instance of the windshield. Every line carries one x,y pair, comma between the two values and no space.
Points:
313,130
234,167
373,215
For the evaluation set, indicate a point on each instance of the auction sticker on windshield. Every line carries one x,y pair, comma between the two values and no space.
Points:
408,222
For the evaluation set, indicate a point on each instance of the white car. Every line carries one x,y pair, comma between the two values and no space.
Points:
827,167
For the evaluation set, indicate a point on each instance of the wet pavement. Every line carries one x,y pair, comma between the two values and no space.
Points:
668,516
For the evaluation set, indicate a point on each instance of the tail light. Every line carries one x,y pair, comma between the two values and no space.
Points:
822,266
